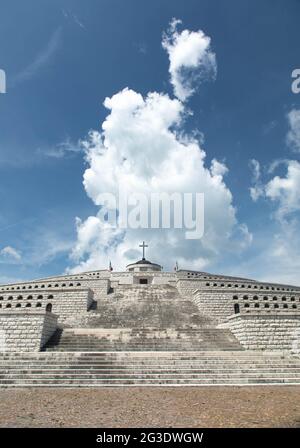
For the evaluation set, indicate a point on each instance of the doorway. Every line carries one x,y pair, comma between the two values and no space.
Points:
143,281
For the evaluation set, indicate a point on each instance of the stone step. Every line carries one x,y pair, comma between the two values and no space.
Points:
193,355
153,365
136,376
146,362
147,355
144,382
131,361
141,345
99,369
233,356
129,305
135,379
214,367
135,372
140,341
127,348
130,348
187,339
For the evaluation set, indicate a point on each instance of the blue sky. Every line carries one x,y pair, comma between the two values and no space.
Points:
63,58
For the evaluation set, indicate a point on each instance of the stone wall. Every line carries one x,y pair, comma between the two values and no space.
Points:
26,332
209,281
65,301
100,287
187,287
49,327
266,331
72,302
220,303
217,305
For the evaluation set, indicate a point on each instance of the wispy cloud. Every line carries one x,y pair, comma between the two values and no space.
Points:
267,128
257,189
141,47
41,60
73,17
66,148
78,22
10,255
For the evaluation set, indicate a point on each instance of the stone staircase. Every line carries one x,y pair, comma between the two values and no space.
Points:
142,339
143,318
129,306
145,336
100,369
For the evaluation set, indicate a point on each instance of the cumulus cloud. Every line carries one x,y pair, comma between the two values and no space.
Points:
191,59
142,149
10,254
293,135
282,191
285,191
218,168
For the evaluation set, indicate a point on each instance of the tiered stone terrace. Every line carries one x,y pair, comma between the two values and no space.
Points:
148,327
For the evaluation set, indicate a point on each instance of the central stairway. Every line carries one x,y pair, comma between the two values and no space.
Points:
99,369
142,339
129,306
143,318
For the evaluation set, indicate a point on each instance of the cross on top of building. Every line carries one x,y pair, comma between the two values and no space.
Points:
143,246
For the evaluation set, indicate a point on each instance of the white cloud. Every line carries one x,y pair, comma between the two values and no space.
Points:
255,166
142,149
285,191
275,254
257,190
191,59
73,17
10,254
276,257
65,148
293,136
218,168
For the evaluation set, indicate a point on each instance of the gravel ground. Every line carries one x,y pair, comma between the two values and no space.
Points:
152,407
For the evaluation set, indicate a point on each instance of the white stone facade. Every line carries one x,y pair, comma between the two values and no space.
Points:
261,315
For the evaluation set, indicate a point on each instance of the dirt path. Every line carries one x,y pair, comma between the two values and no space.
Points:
152,407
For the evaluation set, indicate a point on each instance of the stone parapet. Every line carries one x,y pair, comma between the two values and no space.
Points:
63,301
26,332
263,331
